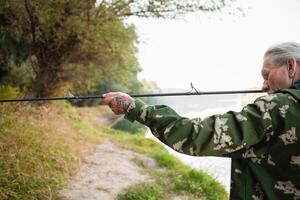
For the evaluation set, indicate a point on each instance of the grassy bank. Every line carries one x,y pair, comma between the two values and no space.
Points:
41,148
172,178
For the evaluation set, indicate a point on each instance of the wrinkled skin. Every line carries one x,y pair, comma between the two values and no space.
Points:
117,101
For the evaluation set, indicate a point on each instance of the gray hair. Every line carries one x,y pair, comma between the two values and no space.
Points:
279,53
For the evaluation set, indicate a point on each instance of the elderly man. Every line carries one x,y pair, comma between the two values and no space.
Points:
263,139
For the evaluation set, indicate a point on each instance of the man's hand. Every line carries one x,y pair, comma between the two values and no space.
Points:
117,101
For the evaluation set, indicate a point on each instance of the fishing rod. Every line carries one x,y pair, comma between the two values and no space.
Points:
133,95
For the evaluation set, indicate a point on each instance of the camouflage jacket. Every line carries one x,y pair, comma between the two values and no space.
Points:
262,141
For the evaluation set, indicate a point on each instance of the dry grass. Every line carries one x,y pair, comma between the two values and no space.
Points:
40,147
98,117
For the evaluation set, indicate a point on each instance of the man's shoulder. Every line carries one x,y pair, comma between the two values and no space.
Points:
281,97
293,94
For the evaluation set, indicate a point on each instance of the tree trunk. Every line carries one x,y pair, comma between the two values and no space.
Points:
46,81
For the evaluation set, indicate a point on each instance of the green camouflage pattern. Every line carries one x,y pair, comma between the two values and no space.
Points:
263,141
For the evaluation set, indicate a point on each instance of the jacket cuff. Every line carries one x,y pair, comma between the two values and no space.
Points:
134,109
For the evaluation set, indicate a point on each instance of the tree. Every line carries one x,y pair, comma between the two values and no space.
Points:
57,34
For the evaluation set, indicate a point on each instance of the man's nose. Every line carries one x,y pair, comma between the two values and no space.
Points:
265,86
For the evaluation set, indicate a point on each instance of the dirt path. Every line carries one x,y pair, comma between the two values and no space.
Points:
105,173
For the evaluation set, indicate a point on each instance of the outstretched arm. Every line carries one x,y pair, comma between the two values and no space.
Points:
229,134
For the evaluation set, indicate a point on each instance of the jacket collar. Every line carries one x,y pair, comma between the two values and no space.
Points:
296,85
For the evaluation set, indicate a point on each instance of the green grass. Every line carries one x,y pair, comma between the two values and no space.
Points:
199,184
40,148
173,178
143,192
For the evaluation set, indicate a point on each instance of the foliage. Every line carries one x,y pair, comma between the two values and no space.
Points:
113,69
63,37
13,49
8,92
19,76
130,127
80,44
159,8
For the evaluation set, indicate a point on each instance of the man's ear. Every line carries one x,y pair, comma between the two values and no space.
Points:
292,64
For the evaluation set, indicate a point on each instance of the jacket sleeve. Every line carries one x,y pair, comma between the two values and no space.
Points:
227,134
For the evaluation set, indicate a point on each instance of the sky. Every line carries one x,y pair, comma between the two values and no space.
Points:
215,51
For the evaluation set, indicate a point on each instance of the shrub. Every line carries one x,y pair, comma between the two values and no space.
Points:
133,128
